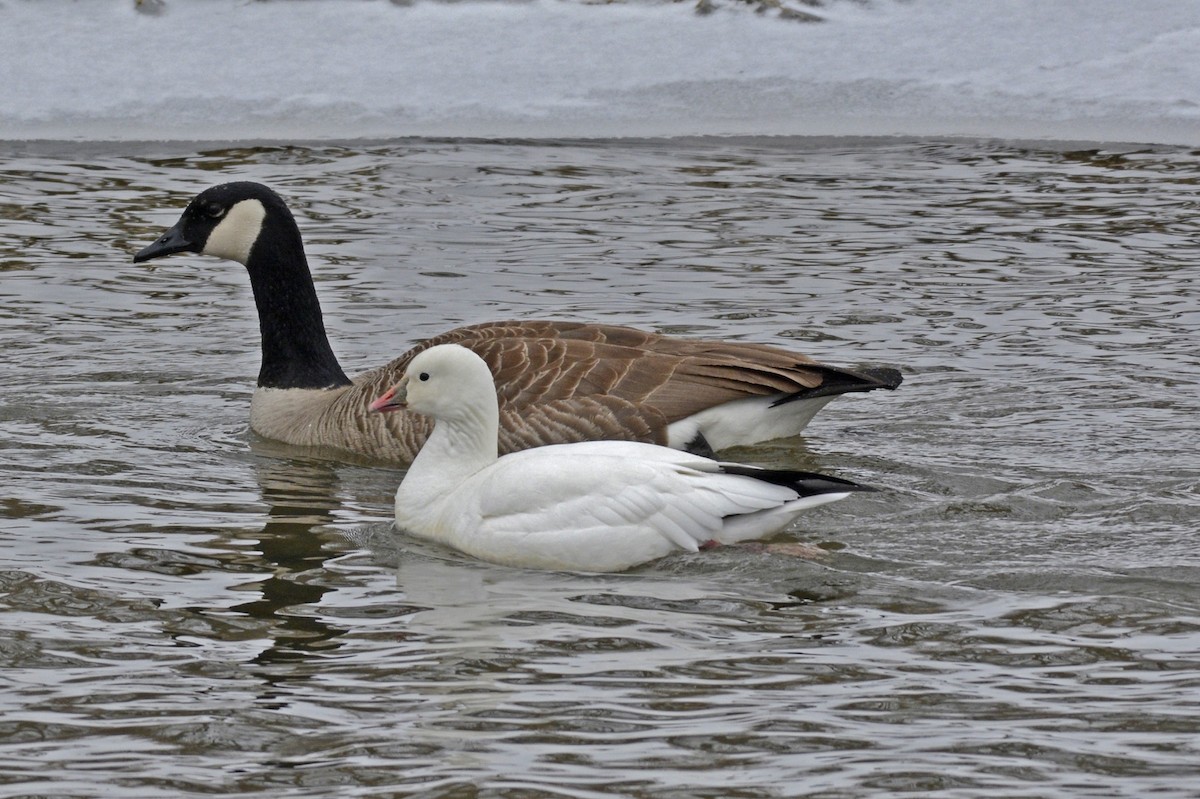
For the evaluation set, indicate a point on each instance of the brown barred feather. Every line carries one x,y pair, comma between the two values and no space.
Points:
560,382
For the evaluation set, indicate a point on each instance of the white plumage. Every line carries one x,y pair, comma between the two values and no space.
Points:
594,506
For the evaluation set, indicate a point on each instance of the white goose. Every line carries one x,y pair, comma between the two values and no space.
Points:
596,506
558,381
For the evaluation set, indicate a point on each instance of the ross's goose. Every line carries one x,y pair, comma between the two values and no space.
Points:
596,506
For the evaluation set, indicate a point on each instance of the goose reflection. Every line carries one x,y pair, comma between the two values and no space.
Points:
295,544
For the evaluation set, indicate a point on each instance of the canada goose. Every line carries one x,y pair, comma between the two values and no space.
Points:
595,506
559,381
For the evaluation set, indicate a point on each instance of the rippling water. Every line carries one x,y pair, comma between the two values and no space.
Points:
187,610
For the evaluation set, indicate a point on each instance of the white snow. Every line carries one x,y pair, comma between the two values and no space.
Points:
334,69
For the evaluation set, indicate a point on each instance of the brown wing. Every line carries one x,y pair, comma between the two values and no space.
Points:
564,381
540,361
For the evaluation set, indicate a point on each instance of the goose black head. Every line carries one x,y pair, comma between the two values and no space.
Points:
224,221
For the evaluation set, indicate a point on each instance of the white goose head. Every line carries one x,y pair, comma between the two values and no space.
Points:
448,382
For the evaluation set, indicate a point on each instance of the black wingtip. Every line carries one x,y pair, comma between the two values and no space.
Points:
806,484
884,376
836,381
699,446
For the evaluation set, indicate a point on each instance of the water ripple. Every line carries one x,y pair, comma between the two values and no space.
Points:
187,610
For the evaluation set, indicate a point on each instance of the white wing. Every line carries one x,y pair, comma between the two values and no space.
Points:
602,506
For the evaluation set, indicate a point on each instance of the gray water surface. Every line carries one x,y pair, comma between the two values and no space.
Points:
187,610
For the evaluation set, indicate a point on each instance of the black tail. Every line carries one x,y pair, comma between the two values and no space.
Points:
806,484
845,381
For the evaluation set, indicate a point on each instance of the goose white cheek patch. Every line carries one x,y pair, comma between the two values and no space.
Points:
233,237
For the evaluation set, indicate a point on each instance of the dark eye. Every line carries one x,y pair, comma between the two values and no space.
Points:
214,210
423,376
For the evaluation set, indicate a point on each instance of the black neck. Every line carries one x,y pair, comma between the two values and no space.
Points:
295,348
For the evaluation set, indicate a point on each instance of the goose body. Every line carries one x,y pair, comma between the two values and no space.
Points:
597,506
558,381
